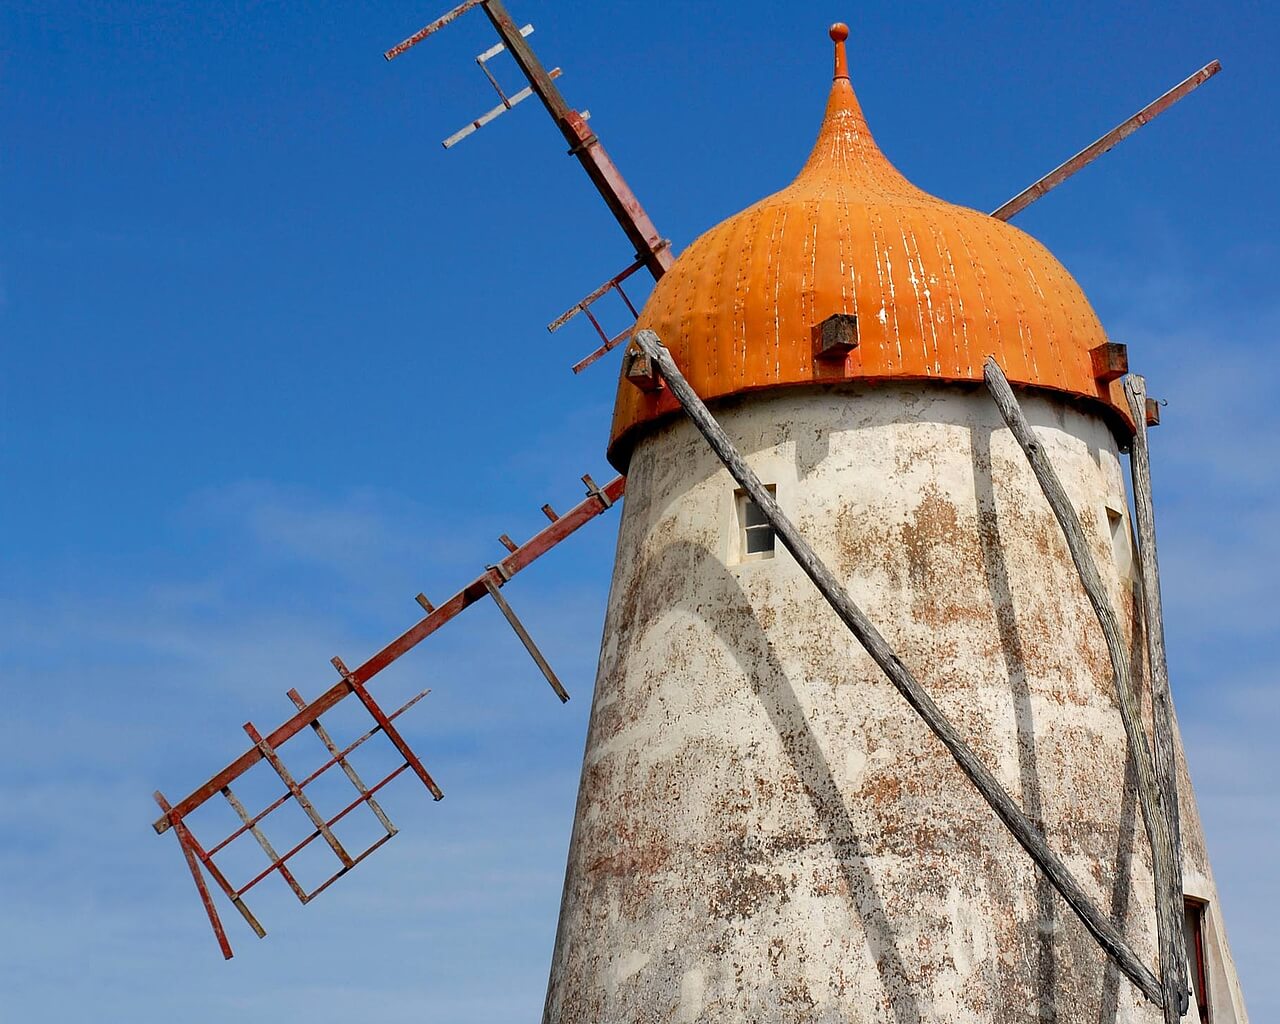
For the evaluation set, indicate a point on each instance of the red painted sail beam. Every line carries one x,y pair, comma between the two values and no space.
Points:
1117,134
651,248
426,30
538,545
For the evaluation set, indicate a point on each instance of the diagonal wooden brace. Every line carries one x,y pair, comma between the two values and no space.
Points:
1106,933
189,854
526,639
1154,812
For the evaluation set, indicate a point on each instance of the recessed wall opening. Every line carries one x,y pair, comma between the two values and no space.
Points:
756,539
1193,934
1121,545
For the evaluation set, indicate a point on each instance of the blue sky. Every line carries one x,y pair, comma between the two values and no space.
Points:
274,362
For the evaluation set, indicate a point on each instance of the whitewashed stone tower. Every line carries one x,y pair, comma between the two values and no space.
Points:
765,831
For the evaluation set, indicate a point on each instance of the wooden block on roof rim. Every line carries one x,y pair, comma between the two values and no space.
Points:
835,337
1153,413
641,372
1110,361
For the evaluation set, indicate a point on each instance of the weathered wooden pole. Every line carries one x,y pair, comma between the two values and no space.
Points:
1106,933
1154,812
1135,390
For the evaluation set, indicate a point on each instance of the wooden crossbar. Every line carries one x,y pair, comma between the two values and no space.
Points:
252,825
388,730
300,798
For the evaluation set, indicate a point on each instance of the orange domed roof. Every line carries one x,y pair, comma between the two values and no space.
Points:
935,288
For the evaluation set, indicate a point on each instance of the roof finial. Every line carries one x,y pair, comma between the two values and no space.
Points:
839,32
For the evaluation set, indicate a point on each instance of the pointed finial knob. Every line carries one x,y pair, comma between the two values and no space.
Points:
839,32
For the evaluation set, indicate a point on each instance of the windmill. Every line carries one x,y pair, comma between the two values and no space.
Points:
725,863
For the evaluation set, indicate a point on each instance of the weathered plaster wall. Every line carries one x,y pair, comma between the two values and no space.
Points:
765,832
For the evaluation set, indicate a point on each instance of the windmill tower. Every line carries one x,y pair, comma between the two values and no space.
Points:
765,831
866,511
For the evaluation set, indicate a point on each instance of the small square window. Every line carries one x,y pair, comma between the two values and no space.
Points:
756,539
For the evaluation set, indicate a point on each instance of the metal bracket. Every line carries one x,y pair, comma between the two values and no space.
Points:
594,490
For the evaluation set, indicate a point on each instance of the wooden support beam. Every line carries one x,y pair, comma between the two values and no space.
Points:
1154,812
651,248
1135,390
191,848
1098,925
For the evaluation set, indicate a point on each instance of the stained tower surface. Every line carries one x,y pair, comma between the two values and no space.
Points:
765,832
